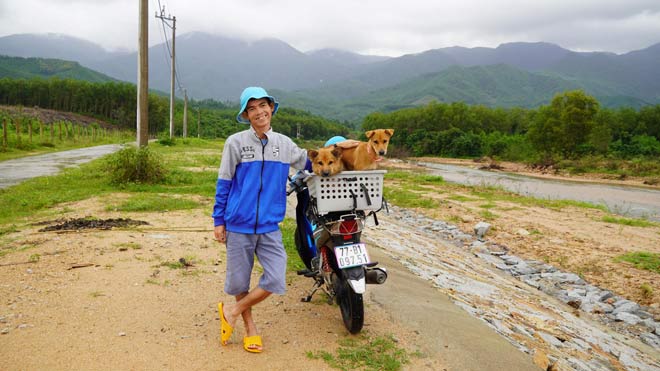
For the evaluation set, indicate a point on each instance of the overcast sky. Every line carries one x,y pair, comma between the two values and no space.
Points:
380,27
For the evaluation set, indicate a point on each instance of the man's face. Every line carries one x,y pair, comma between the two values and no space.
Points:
259,112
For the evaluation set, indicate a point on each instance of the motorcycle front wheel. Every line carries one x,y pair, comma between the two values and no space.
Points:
351,306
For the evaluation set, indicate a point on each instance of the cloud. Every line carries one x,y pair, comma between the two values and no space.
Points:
385,27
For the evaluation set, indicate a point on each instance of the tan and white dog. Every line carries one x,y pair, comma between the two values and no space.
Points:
326,161
357,155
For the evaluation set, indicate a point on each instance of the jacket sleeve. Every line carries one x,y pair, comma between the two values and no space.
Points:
299,160
223,185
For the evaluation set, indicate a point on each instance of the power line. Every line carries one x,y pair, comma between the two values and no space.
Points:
164,22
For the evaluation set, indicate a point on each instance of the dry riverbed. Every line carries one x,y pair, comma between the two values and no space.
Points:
571,238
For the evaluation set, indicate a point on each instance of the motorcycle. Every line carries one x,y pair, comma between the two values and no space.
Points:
330,216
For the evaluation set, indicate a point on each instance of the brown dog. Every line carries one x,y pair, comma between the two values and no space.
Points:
365,155
326,161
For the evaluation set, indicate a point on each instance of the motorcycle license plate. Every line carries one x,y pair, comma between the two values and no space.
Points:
352,255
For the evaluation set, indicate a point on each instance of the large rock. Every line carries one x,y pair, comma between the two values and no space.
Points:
628,318
629,307
480,229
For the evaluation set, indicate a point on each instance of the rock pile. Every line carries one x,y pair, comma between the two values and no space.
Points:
554,316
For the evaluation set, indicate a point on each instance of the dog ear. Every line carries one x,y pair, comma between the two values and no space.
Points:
337,152
312,153
389,132
370,133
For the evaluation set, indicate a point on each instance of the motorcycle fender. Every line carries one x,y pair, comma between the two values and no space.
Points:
356,278
359,286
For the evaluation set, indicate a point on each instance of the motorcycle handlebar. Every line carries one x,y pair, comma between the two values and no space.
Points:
297,181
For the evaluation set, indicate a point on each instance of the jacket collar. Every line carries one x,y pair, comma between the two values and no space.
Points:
255,135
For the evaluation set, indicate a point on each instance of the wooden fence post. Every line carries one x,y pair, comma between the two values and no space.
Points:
4,133
18,131
41,131
30,129
52,133
60,131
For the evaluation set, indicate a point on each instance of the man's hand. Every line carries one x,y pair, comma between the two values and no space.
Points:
220,233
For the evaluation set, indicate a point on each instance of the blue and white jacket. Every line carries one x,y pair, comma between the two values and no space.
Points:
250,193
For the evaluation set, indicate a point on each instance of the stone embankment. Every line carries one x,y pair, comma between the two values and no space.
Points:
562,321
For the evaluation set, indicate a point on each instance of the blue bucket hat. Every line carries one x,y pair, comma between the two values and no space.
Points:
253,92
334,140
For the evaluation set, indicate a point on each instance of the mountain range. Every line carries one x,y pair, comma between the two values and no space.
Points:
345,85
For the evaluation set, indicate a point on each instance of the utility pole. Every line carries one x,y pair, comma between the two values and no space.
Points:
185,113
143,77
172,78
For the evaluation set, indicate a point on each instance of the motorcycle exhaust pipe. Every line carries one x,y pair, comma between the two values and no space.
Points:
376,276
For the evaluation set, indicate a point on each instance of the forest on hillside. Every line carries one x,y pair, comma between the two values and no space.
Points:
116,102
573,125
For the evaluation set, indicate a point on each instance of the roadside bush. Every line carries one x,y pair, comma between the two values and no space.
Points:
133,165
165,140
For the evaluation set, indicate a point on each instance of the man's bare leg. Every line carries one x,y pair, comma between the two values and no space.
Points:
243,307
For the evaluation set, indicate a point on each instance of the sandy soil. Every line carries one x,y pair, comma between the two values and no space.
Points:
551,235
123,309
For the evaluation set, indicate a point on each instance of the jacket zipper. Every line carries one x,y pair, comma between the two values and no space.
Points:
261,184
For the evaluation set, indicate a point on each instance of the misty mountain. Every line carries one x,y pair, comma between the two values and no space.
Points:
55,46
498,85
343,57
211,66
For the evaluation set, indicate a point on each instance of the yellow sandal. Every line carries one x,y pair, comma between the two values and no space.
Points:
225,327
252,344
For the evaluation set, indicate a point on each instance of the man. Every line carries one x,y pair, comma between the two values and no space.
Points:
250,202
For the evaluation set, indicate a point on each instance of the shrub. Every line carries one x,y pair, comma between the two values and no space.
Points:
166,141
133,165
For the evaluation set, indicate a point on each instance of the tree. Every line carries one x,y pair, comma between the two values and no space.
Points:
565,125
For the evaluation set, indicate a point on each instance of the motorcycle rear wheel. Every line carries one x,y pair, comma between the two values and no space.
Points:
351,306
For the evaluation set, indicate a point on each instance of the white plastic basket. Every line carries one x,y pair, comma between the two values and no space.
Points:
337,192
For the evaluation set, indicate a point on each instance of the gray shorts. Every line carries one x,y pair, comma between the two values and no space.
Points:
269,249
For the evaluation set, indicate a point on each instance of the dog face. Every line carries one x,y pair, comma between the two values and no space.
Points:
379,139
326,161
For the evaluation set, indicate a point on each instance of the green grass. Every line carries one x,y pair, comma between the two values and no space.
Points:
488,215
8,229
37,197
461,198
128,245
153,202
415,177
34,258
361,352
646,167
22,201
404,197
43,147
293,263
492,194
647,290
179,264
642,260
409,181
628,222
